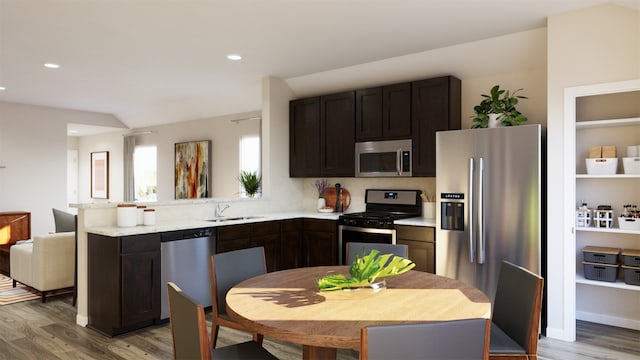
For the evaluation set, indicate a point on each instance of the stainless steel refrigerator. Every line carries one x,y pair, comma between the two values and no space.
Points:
490,190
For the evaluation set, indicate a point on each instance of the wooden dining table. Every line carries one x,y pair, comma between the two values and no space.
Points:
287,305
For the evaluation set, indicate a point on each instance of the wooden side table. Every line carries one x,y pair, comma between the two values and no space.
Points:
14,226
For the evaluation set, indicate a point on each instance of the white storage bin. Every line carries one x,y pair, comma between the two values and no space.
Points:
631,165
602,166
626,223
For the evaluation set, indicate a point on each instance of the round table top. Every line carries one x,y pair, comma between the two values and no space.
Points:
286,305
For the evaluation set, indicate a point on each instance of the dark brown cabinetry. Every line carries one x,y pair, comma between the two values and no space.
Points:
421,243
383,113
291,244
265,234
319,243
337,144
321,131
304,137
124,282
415,110
435,106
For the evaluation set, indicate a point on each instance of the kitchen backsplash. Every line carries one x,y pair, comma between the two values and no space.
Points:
357,187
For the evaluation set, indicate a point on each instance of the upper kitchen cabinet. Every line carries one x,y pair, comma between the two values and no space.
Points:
337,139
383,113
435,106
322,139
304,137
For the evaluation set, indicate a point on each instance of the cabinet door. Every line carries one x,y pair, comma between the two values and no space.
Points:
421,243
369,114
337,134
233,237
319,243
396,111
304,137
267,235
291,244
140,287
435,106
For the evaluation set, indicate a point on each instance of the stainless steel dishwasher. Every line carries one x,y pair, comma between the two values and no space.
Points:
185,261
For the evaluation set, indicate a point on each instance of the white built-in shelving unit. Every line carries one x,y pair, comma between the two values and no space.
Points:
598,115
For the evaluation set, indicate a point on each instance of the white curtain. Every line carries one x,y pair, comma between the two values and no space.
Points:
129,185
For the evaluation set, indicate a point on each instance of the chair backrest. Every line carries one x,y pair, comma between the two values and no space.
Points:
358,248
443,340
188,326
230,268
517,305
64,221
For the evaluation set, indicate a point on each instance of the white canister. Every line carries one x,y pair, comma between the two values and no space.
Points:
140,214
429,210
126,215
632,151
149,217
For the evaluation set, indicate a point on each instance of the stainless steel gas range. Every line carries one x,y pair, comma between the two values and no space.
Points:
376,223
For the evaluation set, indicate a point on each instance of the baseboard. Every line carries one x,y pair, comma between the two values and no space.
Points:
560,334
608,320
82,320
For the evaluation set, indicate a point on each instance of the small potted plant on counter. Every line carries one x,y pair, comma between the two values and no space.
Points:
321,186
498,109
251,182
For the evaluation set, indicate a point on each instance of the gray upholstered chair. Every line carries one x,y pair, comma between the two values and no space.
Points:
442,340
516,314
358,248
228,269
189,332
64,221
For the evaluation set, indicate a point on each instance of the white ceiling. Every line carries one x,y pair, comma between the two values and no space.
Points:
161,61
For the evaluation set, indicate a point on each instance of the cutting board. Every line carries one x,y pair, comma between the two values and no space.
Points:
330,198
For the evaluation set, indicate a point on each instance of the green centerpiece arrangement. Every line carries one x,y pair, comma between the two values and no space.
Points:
365,270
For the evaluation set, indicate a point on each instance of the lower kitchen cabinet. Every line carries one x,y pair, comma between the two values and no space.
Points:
243,236
319,243
291,244
124,282
421,242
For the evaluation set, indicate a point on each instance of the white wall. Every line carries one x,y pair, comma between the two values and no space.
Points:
594,45
33,148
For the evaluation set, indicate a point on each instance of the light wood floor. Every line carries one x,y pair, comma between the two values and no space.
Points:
32,330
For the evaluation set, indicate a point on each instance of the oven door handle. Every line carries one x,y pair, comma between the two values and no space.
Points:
367,230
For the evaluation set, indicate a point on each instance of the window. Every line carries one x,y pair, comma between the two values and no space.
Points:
145,173
249,157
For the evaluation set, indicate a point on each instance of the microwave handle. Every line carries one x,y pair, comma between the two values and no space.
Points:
399,161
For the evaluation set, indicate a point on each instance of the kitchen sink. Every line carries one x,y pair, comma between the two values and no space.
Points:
223,219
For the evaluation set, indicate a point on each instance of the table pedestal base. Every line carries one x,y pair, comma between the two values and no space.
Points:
318,353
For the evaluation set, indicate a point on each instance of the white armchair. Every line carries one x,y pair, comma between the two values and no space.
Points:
47,263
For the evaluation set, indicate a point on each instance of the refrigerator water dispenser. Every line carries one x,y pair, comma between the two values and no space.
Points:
452,216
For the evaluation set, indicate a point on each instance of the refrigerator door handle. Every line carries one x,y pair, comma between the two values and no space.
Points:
481,249
472,243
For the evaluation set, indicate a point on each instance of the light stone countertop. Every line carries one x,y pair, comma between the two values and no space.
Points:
116,231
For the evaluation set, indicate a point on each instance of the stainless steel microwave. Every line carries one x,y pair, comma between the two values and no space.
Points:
390,158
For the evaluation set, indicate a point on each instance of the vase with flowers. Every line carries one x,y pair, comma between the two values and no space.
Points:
321,186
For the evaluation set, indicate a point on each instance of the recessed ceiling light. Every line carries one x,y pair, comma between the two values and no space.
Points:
2,88
234,57
51,65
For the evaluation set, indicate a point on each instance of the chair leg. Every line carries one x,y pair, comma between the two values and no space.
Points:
214,335
14,283
258,338
43,296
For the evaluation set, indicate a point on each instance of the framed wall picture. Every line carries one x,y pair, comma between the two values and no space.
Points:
192,169
100,175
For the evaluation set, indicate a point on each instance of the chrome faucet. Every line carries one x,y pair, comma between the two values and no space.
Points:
220,209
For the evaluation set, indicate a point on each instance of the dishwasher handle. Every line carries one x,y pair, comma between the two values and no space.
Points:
186,234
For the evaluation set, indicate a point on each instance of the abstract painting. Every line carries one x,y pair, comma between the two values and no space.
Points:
192,169
100,175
